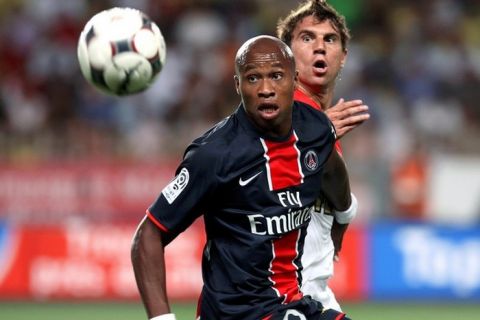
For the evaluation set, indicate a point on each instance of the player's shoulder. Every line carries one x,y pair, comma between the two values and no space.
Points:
212,145
310,118
309,113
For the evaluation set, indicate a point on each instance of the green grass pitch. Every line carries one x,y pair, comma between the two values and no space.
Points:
186,311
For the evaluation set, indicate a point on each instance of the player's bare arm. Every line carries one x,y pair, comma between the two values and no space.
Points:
340,225
337,233
336,188
336,184
347,115
148,262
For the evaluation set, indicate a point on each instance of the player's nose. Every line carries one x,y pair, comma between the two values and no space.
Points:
319,47
266,89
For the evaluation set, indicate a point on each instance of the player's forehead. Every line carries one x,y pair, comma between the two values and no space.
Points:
264,52
264,60
311,24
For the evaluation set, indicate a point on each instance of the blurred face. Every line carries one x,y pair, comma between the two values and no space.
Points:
266,81
318,54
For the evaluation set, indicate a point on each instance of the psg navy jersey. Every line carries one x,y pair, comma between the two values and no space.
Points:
256,196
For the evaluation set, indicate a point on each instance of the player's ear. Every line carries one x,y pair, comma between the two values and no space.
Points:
295,79
237,83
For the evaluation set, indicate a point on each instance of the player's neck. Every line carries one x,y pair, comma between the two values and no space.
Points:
323,97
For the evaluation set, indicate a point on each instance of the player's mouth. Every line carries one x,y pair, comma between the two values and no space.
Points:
320,66
268,110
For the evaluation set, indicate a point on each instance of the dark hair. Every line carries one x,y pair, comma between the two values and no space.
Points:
321,11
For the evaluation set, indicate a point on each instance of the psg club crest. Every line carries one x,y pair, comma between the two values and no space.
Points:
311,160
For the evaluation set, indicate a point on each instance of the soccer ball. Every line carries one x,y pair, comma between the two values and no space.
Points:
121,51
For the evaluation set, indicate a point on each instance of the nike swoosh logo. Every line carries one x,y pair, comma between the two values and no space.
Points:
243,183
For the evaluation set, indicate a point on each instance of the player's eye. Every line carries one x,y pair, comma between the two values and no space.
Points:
331,38
252,78
307,38
277,76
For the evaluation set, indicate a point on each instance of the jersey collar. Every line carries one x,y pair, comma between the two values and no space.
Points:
245,121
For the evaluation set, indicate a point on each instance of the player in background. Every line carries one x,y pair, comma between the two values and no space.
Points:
318,36
271,151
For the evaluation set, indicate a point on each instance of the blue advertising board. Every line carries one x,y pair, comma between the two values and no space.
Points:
421,261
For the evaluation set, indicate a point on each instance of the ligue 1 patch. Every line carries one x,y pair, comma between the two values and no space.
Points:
176,186
311,160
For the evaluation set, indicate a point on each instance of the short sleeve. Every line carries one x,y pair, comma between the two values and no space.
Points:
183,198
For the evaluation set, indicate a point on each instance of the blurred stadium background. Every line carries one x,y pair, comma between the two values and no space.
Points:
78,168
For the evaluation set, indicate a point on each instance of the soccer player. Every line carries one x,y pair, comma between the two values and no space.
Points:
255,177
318,37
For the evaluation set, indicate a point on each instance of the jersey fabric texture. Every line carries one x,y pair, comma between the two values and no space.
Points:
317,258
256,195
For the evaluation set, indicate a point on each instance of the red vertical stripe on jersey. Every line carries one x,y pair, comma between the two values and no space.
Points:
283,163
284,275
